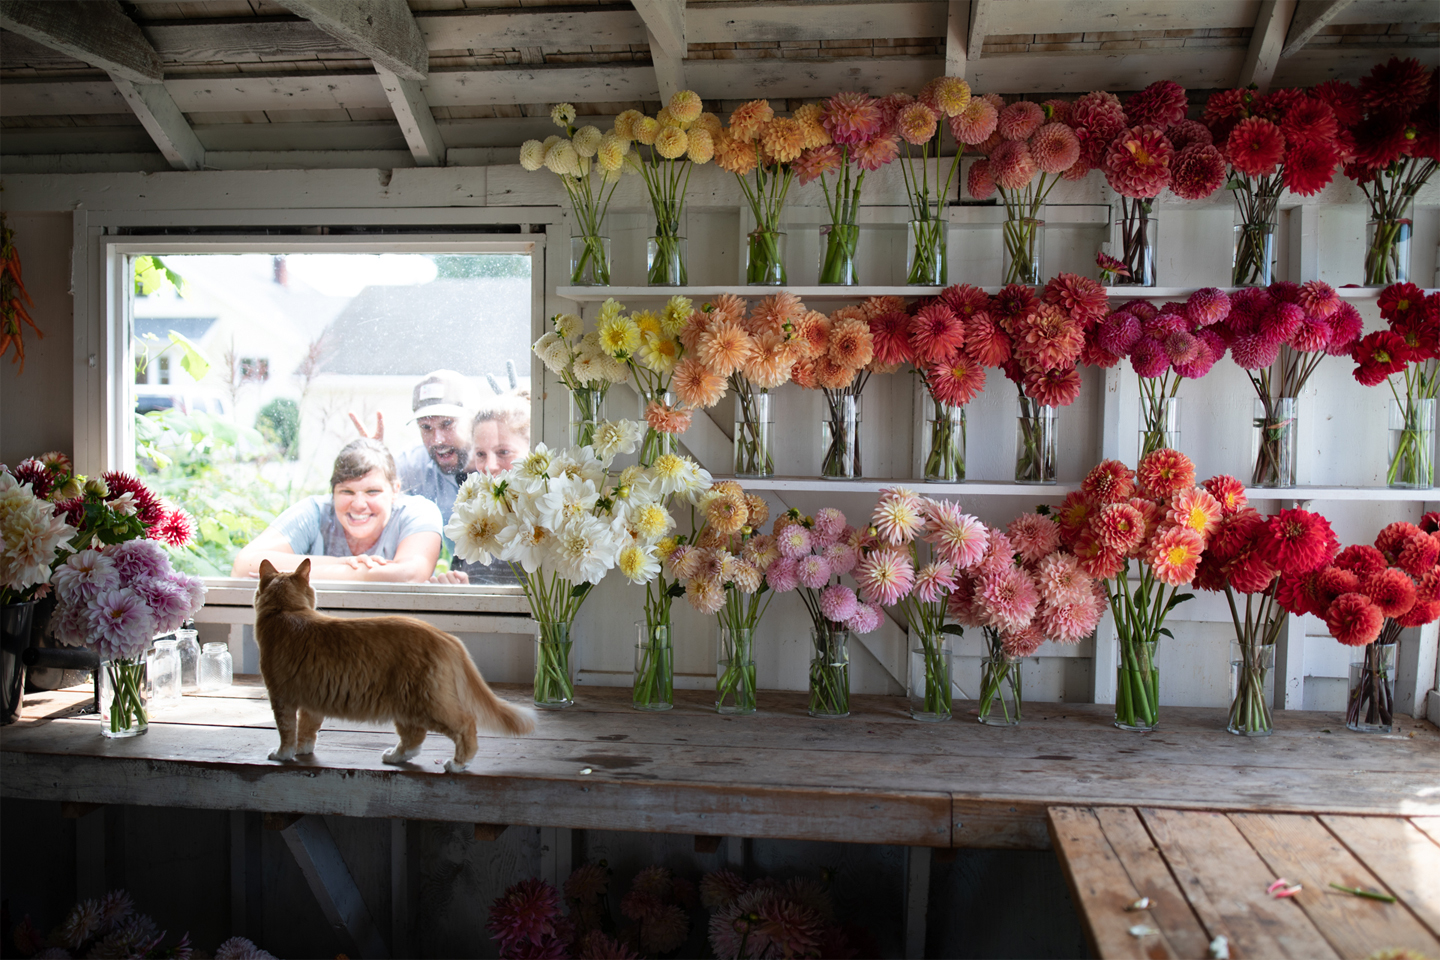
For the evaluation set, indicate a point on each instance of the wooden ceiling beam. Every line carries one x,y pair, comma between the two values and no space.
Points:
417,122
383,30
155,108
1266,42
97,33
665,32
981,12
957,35
1310,17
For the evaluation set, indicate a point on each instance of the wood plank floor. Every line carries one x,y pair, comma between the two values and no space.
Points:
1207,873
875,777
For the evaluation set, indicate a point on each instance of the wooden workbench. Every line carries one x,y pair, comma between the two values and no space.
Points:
875,777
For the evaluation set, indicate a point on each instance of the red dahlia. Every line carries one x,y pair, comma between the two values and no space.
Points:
1197,172
1298,541
1390,590
1395,86
1378,355
1354,620
1255,147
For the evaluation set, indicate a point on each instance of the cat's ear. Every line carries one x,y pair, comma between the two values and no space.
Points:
303,571
267,570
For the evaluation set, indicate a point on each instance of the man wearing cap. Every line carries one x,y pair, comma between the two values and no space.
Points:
442,411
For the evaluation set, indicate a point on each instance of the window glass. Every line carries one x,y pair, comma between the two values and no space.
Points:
259,378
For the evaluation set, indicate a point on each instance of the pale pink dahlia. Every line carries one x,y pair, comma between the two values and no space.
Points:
865,619
842,558
1072,622
783,575
1020,119
871,155
852,118
1012,165
827,526
1054,148
1008,598
813,571
980,181
1061,581
934,581
885,576
956,536
838,603
1023,642
899,515
975,124
793,541
1033,536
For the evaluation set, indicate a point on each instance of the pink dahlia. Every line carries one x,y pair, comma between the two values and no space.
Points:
1207,354
1012,165
1188,133
871,155
985,342
1254,351
1181,347
1033,536
916,123
976,123
936,334
1119,333
1120,528
842,558
934,582
817,161
1109,481
138,559
1023,642
1137,163
1148,357
956,536
1197,172
1072,622
1049,338
1054,148
1354,620
1196,509
175,528
122,623
1083,298
828,525
1097,118
1206,306
956,381
885,576
793,541
865,619
783,575
851,118
1058,387
1175,554
813,571
980,181
1160,104
1164,473
1061,581
1020,119
1319,299
1007,597
1255,147
961,606
838,603
899,515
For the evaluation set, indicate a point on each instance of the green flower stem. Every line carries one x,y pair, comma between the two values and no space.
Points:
1135,225
928,266
592,262
1034,463
838,267
841,459
946,459
127,708
998,672
752,441
1139,617
1413,463
1154,392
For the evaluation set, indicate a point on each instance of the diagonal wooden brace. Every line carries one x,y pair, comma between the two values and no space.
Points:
319,859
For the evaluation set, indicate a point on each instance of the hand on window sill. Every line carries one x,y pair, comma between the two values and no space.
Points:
453,577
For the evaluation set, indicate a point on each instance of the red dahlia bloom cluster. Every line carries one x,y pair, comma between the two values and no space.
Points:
1249,553
1392,118
1310,318
1293,134
1413,337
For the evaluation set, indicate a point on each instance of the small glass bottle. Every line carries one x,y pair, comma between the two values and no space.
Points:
163,671
187,644
217,669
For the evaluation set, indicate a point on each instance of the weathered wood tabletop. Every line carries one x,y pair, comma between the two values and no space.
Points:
874,777
1206,875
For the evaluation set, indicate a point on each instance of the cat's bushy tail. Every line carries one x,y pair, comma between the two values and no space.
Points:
494,713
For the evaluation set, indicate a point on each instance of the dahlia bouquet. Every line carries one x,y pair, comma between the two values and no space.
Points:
650,346
766,917
587,371
892,573
680,136
1393,138
1407,354
117,599
1026,589
589,164
862,140
814,553
1286,140
1031,149
917,122
34,534
836,355
1253,555
723,569
1366,595
1165,345
1157,520
765,148
1279,334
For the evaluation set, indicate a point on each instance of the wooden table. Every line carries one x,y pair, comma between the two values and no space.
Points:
1206,874
875,777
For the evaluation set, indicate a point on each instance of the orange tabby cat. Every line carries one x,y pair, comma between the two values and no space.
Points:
372,668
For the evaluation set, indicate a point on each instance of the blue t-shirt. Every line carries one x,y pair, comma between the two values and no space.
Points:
312,527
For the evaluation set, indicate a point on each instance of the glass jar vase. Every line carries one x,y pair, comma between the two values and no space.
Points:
943,449
1253,258
1387,252
925,263
837,254
1412,443
665,262
217,667
1274,442
735,671
589,261
1250,666
1137,689
929,678
1024,239
830,671
654,682
554,676
1035,442
765,258
123,695
656,442
840,437
754,428
1160,424
1136,236
587,411
1370,706
163,670
187,645
1000,690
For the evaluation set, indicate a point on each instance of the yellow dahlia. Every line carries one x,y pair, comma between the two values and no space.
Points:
532,155
809,117
952,95
685,105
611,152
587,141
671,143
783,139
677,311
701,148
619,336
710,123
625,123
660,354
562,114
646,129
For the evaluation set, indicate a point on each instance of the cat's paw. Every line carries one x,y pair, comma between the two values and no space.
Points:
304,748
396,757
283,754
452,767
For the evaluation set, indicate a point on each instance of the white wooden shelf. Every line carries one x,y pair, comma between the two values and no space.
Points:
1056,491
834,293
1390,494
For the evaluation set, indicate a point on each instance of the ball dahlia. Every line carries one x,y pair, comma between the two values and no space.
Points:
1137,162
1255,147
1197,172
1019,120
1054,148
1160,104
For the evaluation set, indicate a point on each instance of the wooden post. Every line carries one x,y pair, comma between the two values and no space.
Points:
319,859
917,899
400,887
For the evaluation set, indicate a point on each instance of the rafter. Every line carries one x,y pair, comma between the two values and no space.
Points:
162,119
98,33
980,15
957,34
1310,17
383,30
412,112
665,30
1265,44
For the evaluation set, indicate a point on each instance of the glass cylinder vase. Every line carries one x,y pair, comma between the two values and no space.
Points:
1160,427
1387,252
163,671
943,450
754,427
1000,692
654,682
1412,443
1024,239
1137,688
1035,442
1250,666
925,263
765,258
589,261
929,679
665,262
123,695
587,410
1370,706
837,256
187,644
1136,234
554,679
840,437
1274,443
1253,258
656,442
830,671
735,671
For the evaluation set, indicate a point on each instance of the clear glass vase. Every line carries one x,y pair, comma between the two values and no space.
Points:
123,694
929,679
1387,252
837,257
217,667
665,262
1136,233
1035,442
1024,251
554,678
187,644
1160,427
656,442
1412,443
587,410
925,264
754,428
654,683
765,258
1253,259
1370,706
1000,693
1137,689
840,437
1250,666
589,261
163,671
735,671
830,671
943,449
1274,444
